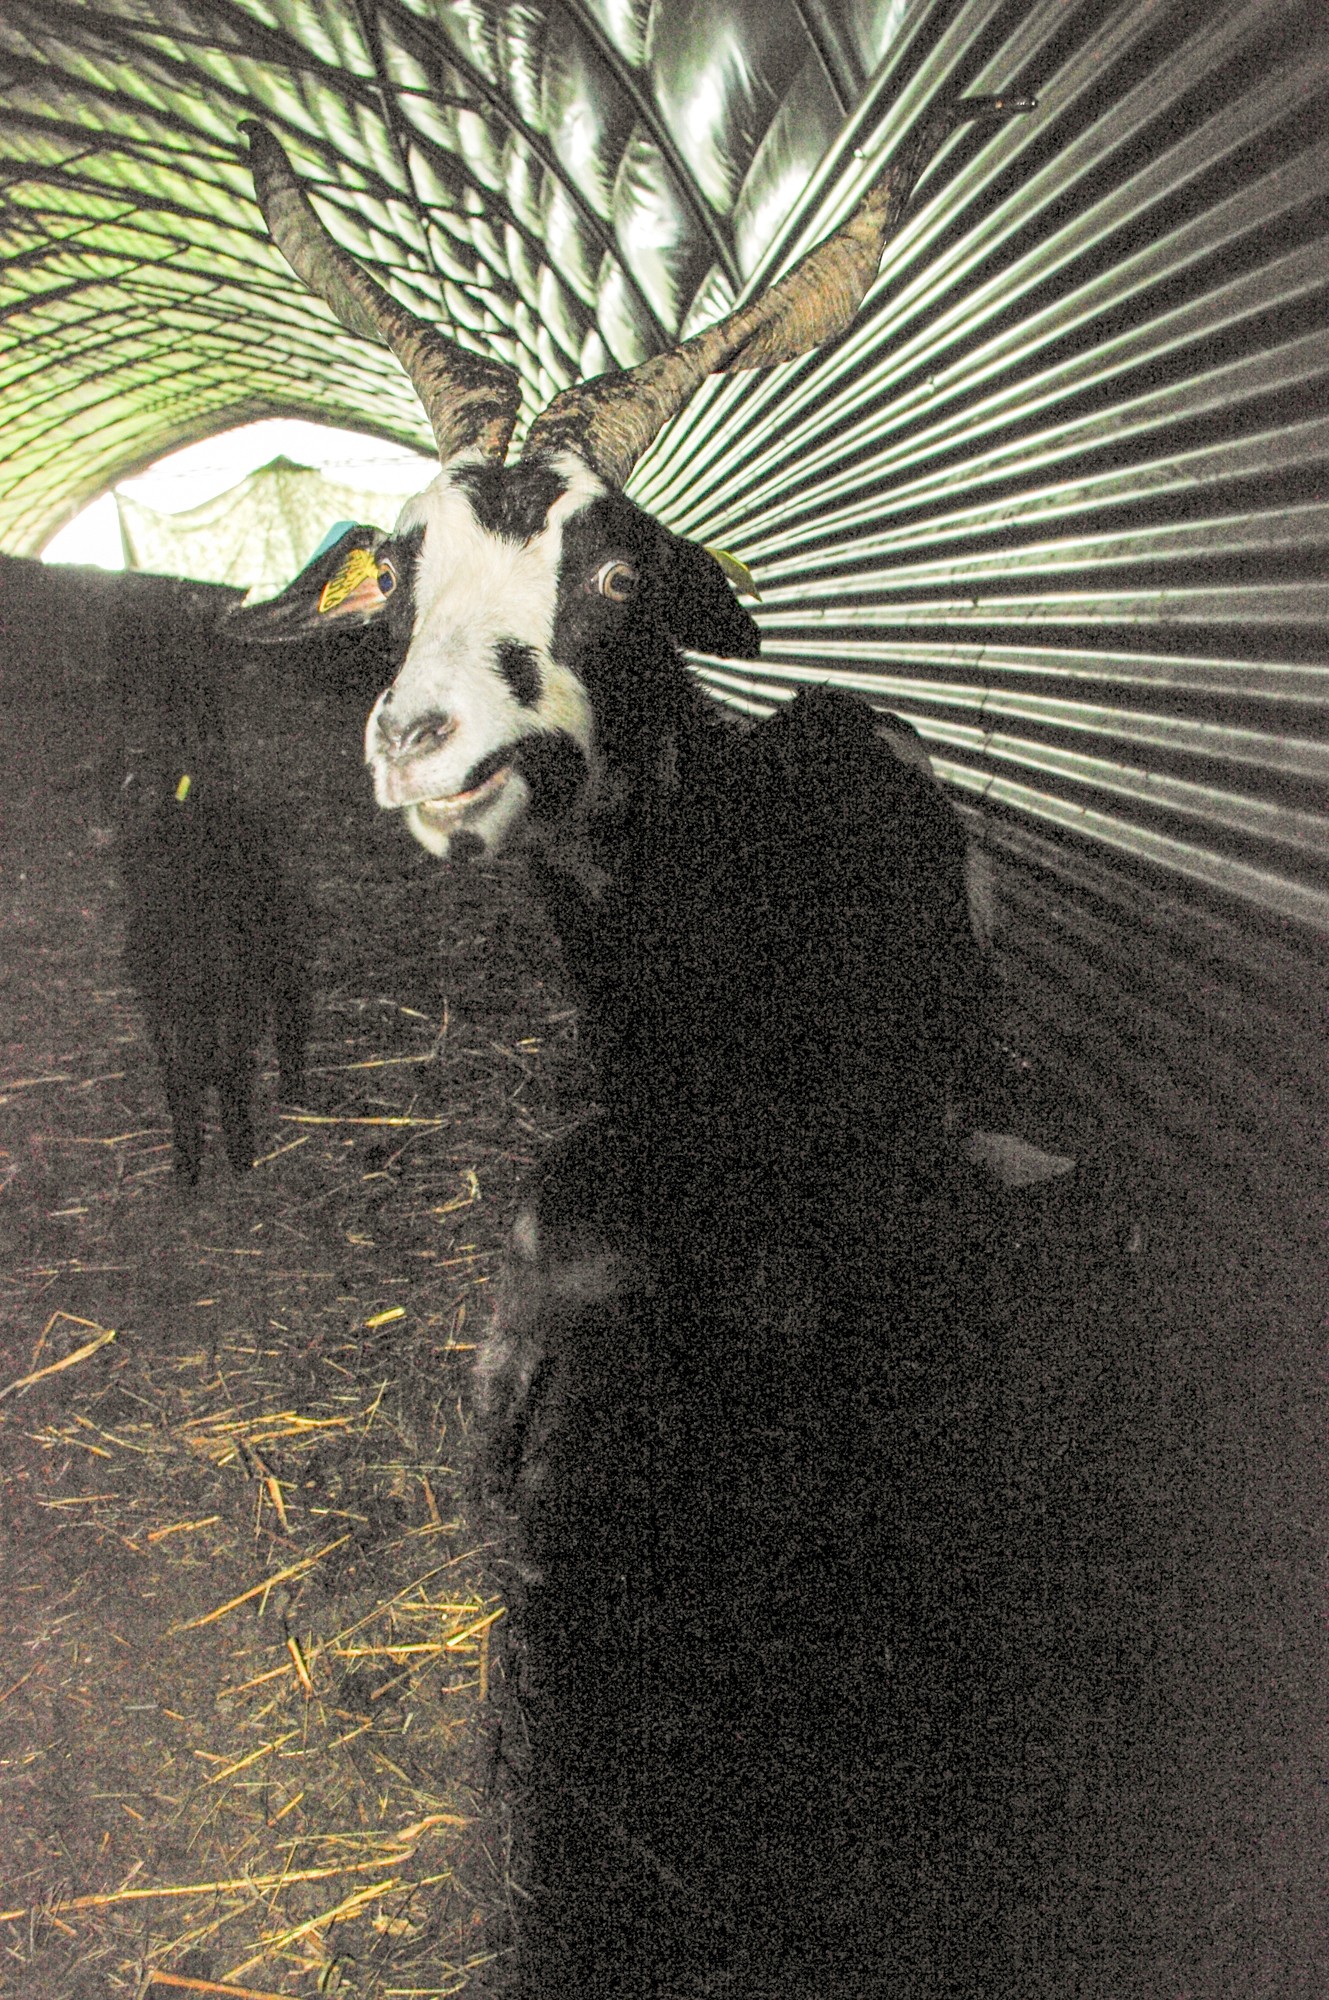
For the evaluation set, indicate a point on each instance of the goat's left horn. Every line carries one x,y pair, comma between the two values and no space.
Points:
610,421
470,401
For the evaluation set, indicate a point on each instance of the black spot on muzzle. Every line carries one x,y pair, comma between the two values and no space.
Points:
519,665
493,761
554,767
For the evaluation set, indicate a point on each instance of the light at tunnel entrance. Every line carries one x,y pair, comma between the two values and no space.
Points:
247,507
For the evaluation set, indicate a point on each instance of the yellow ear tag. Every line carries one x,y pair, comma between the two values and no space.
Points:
360,567
738,572
182,789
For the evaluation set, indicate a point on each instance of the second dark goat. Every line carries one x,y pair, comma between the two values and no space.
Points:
214,941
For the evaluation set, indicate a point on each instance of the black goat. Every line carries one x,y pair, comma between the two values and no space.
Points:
726,1393
214,942
736,1411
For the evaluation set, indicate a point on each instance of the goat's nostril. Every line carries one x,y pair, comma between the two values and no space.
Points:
387,739
427,732
399,737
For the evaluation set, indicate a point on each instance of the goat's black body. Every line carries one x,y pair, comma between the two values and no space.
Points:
733,1444
212,949
738,1432
759,1637
214,938
780,982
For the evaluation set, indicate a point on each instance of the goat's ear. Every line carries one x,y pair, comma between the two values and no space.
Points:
695,602
348,583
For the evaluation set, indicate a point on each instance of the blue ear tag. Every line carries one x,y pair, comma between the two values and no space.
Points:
334,534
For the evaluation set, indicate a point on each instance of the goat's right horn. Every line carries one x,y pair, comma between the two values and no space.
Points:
470,401
610,421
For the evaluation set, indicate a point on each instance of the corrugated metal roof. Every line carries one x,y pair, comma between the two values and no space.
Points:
1059,496
1060,499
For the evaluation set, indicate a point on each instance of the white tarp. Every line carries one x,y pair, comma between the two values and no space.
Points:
258,534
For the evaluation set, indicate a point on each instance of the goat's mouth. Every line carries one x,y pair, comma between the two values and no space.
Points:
456,808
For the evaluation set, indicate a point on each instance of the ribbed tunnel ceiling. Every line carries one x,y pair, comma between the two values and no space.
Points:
1060,496
564,185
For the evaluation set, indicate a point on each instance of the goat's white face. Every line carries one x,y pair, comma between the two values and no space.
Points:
479,679
533,615
510,684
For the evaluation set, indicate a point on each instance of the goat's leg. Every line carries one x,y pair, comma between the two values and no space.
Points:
558,1305
183,1077
512,1370
235,1077
237,1121
290,1012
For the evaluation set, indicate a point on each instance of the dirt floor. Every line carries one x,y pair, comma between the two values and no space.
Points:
247,1641
245,1638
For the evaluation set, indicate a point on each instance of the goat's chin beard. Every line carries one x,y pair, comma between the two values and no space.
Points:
486,821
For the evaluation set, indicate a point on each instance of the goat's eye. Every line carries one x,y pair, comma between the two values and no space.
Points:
616,580
387,579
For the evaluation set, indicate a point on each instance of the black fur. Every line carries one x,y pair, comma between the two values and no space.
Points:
403,551
520,668
512,502
683,597
554,768
214,941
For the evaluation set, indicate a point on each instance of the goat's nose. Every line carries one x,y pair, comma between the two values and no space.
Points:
402,738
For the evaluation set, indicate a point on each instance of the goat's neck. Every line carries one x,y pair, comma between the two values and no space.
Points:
647,777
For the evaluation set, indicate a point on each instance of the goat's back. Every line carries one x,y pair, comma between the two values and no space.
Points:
784,981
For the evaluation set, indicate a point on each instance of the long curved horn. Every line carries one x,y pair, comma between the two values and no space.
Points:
610,421
469,400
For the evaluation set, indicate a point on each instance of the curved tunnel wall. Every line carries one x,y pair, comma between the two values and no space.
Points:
1059,497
